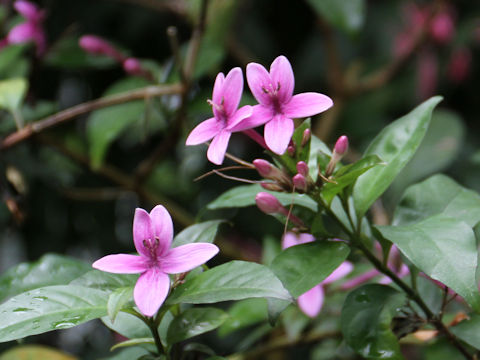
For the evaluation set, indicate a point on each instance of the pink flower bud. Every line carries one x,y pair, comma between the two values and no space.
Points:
442,27
22,33
307,134
302,168
291,150
28,10
459,65
95,45
132,66
263,167
300,182
341,146
268,203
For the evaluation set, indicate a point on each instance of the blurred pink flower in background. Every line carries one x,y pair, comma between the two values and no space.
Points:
427,74
459,65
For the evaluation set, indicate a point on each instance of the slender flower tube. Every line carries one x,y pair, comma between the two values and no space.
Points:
152,236
277,105
227,92
311,302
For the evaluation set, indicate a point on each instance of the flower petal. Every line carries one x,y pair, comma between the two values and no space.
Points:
238,117
232,91
343,270
278,133
259,79
121,264
163,227
151,290
307,104
142,230
203,132
282,77
186,257
360,279
218,147
312,301
217,95
260,115
291,239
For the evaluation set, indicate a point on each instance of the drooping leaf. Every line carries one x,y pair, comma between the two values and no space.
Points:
438,195
242,196
302,267
366,321
435,246
50,269
469,331
105,281
244,313
395,145
193,322
234,280
12,92
50,308
202,232
118,300
37,352
347,15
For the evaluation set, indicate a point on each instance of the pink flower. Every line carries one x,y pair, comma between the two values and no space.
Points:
96,45
277,105
152,236
459,65
227,92
311,302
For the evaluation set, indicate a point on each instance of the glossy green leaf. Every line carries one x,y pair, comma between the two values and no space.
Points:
193,322
395,145
35,352
242,196
204,232
105,125
133,342
469,331
366,321
347,175
12,92
50,269
438,195
50,308
105,281
435,246
347,15
302,267
244,313
128,325
234,280
118,300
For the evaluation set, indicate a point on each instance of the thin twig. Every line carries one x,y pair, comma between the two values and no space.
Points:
212,172
172,33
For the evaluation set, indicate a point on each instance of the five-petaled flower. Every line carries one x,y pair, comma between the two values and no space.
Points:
311,302
277,104
227,92
152,236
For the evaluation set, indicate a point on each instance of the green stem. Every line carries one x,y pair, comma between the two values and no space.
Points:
156,336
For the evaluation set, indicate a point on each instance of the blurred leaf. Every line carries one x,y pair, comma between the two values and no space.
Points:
118,300
128,325
442,349
133,342
50,269
127,354
347,15
10,57
438,195
50,308
366,321
12,92
301,267
105,281
395,145
469,331
244,313
193,322
105,125
202,232
435,246
241,196
36,352
234,280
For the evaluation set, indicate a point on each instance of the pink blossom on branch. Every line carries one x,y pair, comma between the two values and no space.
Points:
277,104
227,92
152,236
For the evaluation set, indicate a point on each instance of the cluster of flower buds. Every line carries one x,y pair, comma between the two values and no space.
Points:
280,180
96,45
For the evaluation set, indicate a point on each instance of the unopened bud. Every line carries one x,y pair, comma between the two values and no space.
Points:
442,27
263,167
97,46
300,182
268,203
291,150
340,149
132,66
29,10
272,186
307,134
302,168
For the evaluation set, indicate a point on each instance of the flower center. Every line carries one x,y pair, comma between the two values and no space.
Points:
272,91
151,246
219,111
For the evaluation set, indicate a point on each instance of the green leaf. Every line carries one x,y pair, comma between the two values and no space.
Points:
50,269
9,57
301,267
36,352
133,342
193,322
242,196
234,280
118,300
50,308
128,354
105,125
435,246
347,175
105,281
438,195
12,92
395,145
203,232
366,321
128,325
244,313
469,331
347,15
